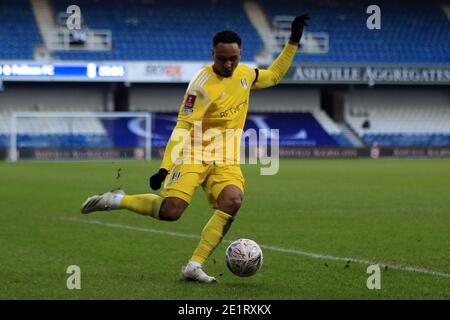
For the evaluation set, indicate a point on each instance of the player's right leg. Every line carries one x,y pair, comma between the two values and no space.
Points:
224,187
182,184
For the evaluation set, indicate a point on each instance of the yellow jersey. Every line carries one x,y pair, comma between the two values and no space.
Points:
214,110
215,106
217,101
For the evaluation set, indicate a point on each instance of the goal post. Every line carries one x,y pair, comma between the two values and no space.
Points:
80,135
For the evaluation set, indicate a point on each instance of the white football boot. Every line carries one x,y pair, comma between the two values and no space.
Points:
195,273
102,202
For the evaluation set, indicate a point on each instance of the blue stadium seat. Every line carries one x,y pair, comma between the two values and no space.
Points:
163,30
341,140
60,141
407,139
18,30
411,31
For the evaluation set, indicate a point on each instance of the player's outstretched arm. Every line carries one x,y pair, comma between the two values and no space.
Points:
277,70
178,132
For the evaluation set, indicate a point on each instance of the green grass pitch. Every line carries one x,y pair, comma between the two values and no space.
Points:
318,221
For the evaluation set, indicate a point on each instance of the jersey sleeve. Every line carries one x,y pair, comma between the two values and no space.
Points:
196,100
277,70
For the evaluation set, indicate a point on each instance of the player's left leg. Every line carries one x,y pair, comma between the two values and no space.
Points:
225,190
176,195
143,204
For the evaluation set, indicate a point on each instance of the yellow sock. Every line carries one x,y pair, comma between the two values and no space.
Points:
212,235
144,204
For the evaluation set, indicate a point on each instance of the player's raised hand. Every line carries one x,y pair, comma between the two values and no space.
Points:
157,179
297,27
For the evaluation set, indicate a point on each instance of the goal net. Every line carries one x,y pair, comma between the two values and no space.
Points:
80,135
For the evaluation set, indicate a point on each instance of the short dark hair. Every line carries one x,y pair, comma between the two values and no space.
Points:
227,36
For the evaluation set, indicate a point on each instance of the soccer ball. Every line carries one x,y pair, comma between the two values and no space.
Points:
244,257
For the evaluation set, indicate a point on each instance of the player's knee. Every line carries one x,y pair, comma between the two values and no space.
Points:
171,210
231,205
170,213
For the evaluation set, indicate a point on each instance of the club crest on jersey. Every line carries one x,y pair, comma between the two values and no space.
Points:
189,103
244,83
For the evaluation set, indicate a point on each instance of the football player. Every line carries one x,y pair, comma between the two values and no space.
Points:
216,100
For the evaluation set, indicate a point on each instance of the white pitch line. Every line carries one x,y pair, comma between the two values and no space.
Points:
272,248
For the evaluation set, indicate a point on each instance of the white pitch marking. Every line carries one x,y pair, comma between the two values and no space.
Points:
277,249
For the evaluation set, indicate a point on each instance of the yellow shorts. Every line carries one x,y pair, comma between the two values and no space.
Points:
184,179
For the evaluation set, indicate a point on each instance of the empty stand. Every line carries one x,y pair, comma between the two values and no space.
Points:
400,117
53,131
18,30
163,30
411,31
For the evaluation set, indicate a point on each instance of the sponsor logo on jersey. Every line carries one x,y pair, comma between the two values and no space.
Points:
189,103
233,110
